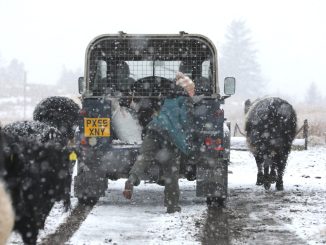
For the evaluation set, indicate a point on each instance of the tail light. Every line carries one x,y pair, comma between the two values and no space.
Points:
219,112
215,144
82,112
208,141
83,141
219,148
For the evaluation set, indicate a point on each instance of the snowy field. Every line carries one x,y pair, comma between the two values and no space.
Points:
296,215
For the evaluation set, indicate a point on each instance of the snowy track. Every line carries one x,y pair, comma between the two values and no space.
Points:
296,215
64,232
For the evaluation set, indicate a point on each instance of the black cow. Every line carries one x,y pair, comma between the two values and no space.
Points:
59,112
37,166
38,174
7,216
270,130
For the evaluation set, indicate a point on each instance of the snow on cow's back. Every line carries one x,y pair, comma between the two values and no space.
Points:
60,112
272,113
38,132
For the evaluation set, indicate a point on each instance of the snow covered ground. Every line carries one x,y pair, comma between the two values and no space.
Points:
296,215
300,209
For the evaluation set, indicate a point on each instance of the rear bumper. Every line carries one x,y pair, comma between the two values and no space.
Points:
90,185
95,168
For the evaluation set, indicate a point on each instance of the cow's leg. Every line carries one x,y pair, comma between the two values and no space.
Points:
260,175
267,164
29,233
281,162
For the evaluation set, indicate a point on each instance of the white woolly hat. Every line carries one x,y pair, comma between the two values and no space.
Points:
184,81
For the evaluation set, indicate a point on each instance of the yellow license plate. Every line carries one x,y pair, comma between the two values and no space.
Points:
97,127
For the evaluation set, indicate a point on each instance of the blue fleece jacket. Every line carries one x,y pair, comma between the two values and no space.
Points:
175,120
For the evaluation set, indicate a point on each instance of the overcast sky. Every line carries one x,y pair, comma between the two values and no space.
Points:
290,35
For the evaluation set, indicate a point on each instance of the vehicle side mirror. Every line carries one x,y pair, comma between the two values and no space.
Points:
81,85
229,85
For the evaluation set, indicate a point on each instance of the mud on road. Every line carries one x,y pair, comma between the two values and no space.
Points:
65,231
256,216
252,215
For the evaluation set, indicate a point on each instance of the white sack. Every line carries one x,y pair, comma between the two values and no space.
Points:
125,124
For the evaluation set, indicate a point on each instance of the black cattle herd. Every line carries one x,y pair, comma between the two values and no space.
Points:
35,171
35,164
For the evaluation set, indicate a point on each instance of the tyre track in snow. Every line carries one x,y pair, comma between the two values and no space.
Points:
249,218
216,229
254,219
66,230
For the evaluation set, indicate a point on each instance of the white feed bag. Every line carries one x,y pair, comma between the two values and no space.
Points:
125,124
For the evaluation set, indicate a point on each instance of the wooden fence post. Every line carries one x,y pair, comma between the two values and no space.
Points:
237,128
305,133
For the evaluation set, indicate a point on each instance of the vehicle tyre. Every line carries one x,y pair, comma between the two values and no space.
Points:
89,201
190,172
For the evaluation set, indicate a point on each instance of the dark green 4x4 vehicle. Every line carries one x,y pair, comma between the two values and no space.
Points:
126,80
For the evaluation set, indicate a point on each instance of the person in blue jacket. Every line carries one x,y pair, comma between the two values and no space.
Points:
168,136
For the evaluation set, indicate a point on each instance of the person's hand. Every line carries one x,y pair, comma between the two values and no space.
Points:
186,83
179,75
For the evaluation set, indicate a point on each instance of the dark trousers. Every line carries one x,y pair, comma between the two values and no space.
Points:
155,149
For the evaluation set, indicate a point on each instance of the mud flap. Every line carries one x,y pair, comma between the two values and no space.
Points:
90,185
212,180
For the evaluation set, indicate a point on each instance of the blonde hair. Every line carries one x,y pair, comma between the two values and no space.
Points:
186,83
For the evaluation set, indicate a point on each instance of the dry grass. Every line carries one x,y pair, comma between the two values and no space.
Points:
316,116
